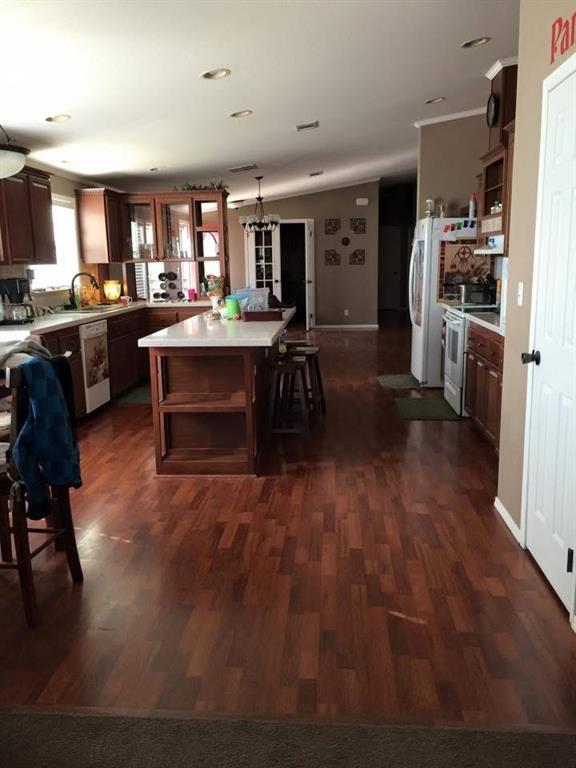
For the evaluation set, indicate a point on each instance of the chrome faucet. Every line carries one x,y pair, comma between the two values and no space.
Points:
93,283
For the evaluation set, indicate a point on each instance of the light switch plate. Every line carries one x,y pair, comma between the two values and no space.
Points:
520,294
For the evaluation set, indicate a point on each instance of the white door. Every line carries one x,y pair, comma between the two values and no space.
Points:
550,460
263,261
310,276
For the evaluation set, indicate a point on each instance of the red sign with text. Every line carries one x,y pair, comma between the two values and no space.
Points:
563,36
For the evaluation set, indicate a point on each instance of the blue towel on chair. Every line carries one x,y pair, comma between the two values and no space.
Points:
45,451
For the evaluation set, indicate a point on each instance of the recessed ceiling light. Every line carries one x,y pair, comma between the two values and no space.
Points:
476,42
316,173
308,126
64,162
158,168
216,74
435,100
241,113
58,119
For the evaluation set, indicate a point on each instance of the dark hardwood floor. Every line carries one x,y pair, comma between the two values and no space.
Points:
367,576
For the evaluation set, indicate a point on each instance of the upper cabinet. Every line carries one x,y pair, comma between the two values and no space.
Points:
26,229
187,226
496,180
100,229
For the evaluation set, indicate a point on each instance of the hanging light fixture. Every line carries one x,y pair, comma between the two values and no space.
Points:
12,157
259,221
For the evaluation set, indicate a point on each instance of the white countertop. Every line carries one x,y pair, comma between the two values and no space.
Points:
199,331
61,320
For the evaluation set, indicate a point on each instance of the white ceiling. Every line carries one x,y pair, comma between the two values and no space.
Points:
128,73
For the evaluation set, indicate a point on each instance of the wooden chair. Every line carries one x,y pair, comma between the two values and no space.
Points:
14,523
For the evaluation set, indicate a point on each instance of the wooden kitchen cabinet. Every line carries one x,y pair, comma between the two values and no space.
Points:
100,225
127,362
42,224
68,340
483,390
26,228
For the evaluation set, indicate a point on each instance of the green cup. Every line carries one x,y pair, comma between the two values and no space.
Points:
232,307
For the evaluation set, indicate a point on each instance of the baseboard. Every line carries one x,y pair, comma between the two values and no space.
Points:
346,327
505,515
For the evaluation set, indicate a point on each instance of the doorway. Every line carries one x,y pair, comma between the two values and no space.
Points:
293,267
549,488
283,261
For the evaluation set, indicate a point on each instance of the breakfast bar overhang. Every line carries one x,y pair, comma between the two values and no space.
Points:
209,388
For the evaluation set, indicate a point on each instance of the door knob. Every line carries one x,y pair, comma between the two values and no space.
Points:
531,357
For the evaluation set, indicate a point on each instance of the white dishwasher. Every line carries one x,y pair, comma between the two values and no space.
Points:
94,346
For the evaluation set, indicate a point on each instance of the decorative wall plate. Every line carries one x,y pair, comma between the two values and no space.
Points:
331,258
331,226
358,257
358,226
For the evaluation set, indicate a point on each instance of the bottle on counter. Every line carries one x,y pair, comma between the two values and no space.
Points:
472,206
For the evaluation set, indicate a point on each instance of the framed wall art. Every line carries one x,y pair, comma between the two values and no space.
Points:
358,226
331,258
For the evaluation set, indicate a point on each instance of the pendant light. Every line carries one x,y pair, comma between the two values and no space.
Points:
259,221
12,156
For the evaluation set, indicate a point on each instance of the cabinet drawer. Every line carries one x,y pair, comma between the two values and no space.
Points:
184,314
51,342
487,344
69,341
162,318
125,324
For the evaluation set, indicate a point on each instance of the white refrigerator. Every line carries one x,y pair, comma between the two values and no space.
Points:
424,290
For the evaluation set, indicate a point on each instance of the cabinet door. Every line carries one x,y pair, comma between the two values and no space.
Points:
123,361
470,388
113,215
17,220
493,400
78,380
42,224
480,399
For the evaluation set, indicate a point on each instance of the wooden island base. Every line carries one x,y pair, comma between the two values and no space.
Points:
209,409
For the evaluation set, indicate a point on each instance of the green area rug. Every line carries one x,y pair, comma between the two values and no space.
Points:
425,409
398,381
136,396
88,741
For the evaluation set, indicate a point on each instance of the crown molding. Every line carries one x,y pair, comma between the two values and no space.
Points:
499,65
447,118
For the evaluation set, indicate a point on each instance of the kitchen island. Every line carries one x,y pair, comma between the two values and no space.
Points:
210,393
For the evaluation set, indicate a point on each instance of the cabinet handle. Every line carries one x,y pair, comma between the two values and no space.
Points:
493,373
479,364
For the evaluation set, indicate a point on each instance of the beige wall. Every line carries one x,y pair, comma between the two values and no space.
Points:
536,17
448,161
337,288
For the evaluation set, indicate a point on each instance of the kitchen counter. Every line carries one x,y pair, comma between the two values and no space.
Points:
200,331
490,320
486,319
60,320
210,394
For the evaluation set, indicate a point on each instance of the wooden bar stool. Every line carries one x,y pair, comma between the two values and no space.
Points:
289,401
13,520
309,354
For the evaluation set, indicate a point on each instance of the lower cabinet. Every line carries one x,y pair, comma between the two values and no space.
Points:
127,362
483,392
68,340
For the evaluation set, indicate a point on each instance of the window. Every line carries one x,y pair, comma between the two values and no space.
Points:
59,275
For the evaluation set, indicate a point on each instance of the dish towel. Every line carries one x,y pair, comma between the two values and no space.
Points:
45,451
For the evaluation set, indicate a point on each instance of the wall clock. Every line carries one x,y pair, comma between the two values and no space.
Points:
492,109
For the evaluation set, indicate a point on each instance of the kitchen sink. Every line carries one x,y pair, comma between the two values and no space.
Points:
95,308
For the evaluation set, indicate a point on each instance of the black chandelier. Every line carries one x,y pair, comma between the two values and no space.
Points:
260,221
